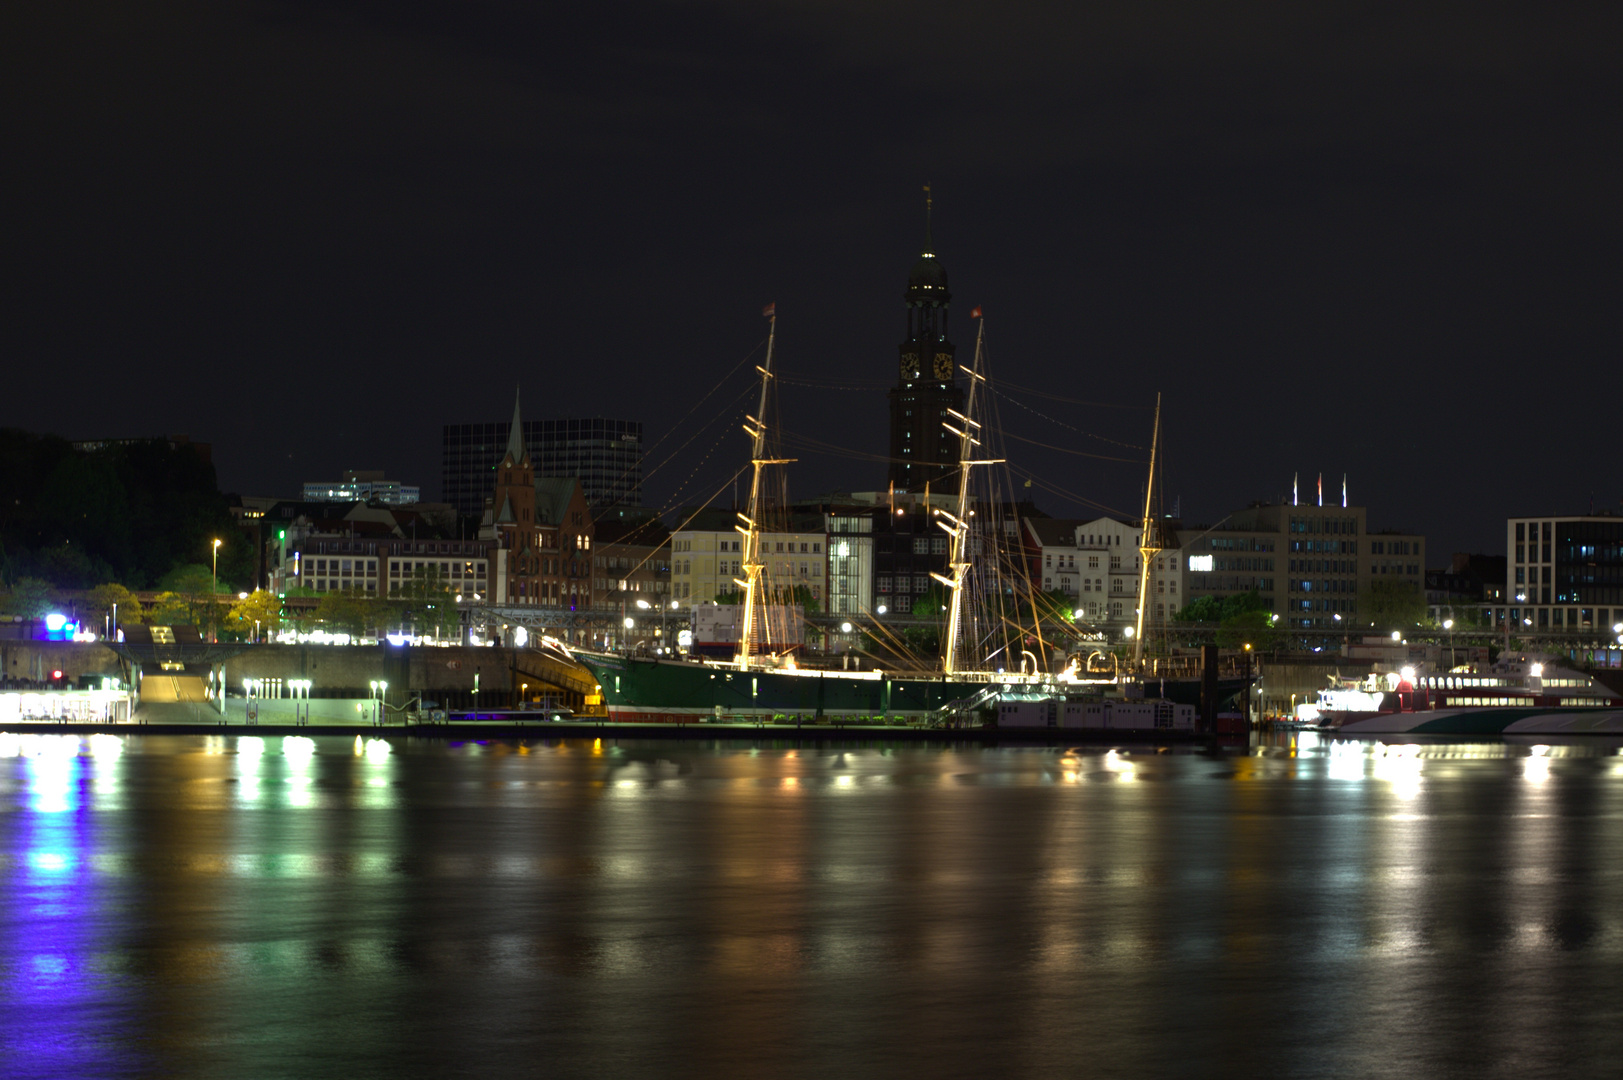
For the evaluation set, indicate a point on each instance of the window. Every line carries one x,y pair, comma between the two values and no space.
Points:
921,545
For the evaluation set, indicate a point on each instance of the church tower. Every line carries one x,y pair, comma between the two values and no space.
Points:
922,453
510,518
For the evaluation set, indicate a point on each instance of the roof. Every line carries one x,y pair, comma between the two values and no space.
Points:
515,436
553,495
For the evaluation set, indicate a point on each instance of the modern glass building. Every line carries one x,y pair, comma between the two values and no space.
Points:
1564,574
605,455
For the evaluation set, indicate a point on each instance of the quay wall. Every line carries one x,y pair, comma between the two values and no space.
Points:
449,675
35,660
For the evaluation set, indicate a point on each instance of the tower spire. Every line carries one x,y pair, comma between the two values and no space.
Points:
515,435
929,244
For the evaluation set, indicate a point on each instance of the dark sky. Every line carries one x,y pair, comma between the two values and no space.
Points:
1350,237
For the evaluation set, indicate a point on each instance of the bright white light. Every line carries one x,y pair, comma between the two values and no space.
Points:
845,628
1396,636
1448,624
645,605
1408,675
55,622
882,609
1199,563
298,748
630,623
1127,633
1538,671
520,636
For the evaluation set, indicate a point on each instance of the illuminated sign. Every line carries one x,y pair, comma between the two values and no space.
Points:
1200,563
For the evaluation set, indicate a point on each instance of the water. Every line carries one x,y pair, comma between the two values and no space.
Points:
230,906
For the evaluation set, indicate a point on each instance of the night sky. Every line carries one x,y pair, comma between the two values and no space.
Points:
1340,237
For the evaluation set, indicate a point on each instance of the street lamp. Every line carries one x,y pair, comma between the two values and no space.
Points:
214,589
1448,624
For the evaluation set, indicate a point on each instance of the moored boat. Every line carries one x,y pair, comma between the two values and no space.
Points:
1521,693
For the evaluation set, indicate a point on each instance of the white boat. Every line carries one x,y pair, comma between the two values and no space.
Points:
1521,693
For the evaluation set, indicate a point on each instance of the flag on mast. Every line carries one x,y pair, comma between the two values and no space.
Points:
1321,489
975,313
770,311
1294,478
1344,491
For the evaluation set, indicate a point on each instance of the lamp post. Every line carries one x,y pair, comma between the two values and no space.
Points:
1448,624
214,589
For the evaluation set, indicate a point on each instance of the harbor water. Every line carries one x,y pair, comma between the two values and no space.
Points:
225,905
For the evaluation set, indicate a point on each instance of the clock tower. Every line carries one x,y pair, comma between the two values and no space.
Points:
921,450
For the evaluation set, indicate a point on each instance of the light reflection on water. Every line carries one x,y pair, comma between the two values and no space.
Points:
325,907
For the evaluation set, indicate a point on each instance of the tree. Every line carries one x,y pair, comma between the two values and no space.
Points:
103,598
32,599
170,609
1256,628
261,611
1391,604
347,612
193,588
1215,609
427,601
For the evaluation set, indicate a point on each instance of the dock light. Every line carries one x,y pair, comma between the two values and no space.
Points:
845,628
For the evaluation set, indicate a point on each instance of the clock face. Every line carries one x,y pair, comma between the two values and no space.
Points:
910,365
943,366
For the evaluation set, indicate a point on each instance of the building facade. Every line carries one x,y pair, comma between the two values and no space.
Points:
542,531
604,455
1097,564
1563,574
707,560
1310,564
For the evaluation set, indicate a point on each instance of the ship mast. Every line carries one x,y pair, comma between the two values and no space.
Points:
956,523
749,524
1149,540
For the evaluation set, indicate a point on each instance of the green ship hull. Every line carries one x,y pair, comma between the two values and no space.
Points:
648,690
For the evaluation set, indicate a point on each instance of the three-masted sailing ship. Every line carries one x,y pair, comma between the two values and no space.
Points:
758,684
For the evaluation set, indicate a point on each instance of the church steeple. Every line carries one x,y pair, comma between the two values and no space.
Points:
518,455
926,354
926,388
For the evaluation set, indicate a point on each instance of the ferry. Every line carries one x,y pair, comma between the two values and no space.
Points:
1521,693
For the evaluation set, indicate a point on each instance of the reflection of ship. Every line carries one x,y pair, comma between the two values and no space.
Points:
1521,693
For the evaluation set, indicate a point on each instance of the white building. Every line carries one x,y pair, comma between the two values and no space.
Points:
1097,563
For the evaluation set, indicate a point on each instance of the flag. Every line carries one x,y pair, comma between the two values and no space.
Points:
770,311
975,314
